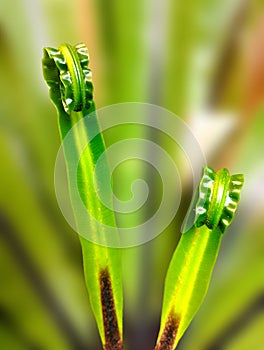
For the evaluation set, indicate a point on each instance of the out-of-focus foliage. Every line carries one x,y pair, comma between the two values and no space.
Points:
203,60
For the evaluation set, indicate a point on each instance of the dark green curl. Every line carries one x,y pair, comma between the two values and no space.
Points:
218,197
67,74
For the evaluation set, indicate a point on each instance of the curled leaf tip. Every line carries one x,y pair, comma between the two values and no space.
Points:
67,74
218,198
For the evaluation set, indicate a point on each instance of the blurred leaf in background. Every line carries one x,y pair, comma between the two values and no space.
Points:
203,60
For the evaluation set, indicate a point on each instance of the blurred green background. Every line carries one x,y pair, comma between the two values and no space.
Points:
201,59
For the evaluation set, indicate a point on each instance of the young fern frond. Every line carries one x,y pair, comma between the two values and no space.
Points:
67,74
69,79
192,264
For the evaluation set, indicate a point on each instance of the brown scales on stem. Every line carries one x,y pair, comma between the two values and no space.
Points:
113,340
169,333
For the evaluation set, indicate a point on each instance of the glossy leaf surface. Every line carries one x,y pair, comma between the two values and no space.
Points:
69,78
192,264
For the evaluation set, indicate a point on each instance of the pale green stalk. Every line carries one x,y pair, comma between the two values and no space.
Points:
69,78
192,264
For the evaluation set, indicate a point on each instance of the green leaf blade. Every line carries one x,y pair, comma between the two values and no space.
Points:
188,277
192,264
68,77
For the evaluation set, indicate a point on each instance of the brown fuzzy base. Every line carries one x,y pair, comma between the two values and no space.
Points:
167,339
113,339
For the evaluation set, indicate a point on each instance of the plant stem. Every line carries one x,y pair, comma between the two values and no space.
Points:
192,264
69,78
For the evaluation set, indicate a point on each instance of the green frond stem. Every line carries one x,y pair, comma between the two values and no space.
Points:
69,79
192,264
